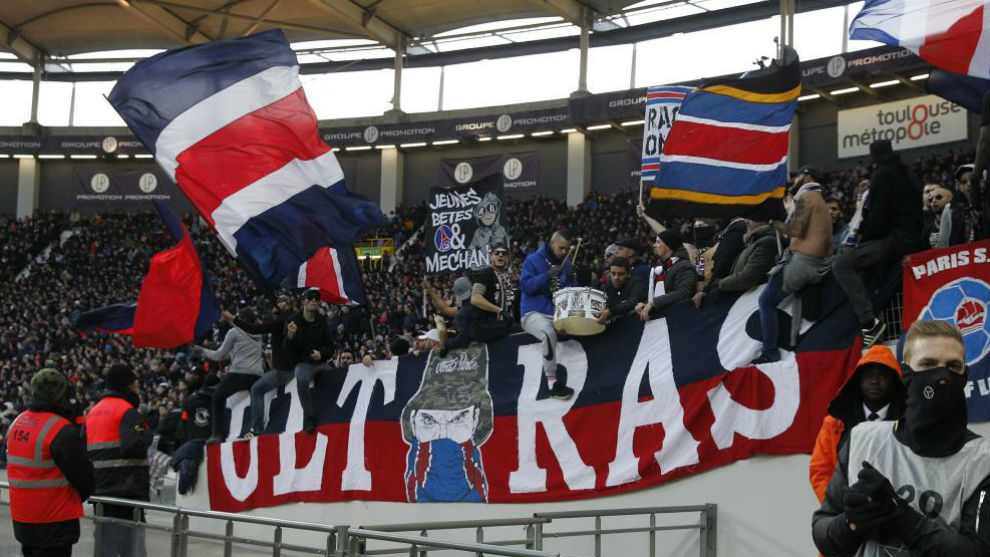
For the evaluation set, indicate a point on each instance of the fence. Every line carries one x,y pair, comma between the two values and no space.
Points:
343,541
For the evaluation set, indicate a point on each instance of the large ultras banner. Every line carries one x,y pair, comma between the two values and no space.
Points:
464,223
652,403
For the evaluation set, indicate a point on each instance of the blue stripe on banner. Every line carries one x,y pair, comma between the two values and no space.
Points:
703,178
704,105
872,34
651,159
158,89
350,273
669,89
276,242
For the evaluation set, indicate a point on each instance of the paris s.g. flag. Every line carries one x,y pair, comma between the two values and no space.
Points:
953,35
176,304
230,123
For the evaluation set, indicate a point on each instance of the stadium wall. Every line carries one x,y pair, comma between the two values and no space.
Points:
8,187
764,503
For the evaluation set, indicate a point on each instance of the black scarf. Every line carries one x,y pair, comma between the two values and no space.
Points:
934,424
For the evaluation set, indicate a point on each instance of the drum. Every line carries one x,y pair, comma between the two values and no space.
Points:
576,311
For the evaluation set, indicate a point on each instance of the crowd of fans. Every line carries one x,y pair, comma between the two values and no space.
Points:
104,259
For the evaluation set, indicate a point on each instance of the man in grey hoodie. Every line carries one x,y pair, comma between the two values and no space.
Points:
244,352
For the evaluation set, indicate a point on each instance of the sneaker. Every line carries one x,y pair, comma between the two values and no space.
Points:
765,359
250,434
214,439
561,391
873,333
309,424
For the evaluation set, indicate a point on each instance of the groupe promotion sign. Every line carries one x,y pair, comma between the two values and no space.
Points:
108,185
909,123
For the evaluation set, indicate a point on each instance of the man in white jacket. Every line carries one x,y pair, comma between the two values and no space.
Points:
244,352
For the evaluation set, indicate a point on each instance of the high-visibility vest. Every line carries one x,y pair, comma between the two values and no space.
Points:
39,491
103,435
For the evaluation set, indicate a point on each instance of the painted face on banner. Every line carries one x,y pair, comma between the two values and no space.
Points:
457,425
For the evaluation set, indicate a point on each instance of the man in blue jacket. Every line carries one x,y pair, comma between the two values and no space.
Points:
543,272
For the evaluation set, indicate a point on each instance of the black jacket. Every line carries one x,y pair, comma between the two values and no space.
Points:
621,301
730,245
923,535
310,335
281,360
680,282
194,422
68,450
752,265
130,481
894,207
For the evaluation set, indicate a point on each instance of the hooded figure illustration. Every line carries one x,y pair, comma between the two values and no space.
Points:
490,230
445,424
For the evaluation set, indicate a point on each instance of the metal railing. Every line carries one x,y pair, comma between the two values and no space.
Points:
343,541
707,525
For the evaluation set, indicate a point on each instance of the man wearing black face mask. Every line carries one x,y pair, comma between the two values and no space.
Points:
919,486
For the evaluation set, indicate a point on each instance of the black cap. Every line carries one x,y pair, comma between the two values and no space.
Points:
311,294
671,239
629,243
816,172
619,261
881,147
498,245
120,377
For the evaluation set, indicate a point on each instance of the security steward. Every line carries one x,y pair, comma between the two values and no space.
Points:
48,471
117,440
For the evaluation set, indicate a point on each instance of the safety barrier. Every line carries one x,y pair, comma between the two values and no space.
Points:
344,541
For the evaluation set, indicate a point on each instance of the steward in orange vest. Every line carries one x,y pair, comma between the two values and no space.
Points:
117,439
48,471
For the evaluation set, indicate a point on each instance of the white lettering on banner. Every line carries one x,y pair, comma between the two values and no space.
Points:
356,476
239,404
679,447
239,488
549,412
455,200
451,217
732,417
950,261
290,478
927,120
464,259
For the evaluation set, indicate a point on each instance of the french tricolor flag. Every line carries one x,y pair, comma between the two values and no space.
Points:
335,273
953,35
230,123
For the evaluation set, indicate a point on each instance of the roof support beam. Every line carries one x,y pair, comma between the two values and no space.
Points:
152,12
261,17
376,28
25,51
571,10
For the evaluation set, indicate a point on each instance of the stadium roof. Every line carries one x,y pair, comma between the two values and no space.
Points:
64,27
56,29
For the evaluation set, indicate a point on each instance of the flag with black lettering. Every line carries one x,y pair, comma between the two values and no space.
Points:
662,105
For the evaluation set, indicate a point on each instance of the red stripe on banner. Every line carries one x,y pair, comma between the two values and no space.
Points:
247,150
953,48
320,273
726,144
665,95
168,303
650,166
593,429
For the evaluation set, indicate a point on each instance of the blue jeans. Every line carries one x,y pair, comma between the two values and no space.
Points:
771,296
271,380
306,372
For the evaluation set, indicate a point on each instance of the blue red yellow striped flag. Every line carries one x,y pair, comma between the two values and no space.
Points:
726,154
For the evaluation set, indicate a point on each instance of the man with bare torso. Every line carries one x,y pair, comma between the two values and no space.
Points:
807,259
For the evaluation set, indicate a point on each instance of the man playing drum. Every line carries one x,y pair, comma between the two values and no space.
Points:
543,272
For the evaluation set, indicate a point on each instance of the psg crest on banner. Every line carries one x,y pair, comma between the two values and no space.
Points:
464,223
951,284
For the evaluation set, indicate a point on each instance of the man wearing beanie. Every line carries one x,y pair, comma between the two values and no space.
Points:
117,440
49,473
674,280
